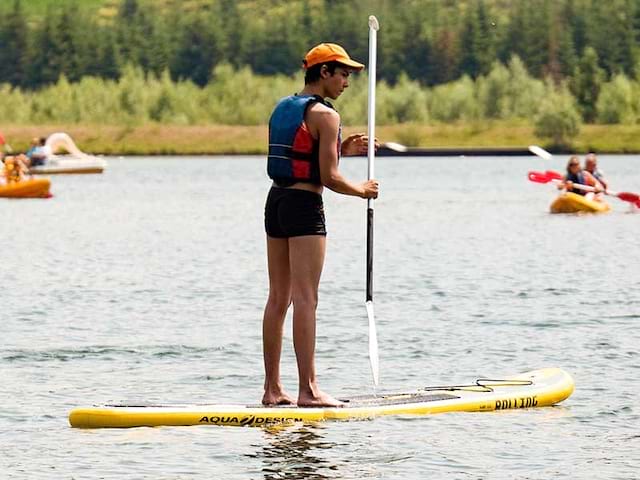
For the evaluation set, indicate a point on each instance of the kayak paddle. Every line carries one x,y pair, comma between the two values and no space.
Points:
540,152
551,176
373,337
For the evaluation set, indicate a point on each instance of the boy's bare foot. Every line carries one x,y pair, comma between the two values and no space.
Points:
319,399
277,398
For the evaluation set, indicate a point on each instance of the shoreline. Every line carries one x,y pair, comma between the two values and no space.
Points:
155,139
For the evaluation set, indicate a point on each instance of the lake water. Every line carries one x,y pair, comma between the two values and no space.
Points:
147,284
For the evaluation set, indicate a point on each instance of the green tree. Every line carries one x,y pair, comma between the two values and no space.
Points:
234,30
280,42
586,83
616,101
13,47
575,25
558,119
611,33
44,67
69,47
527,35
444,58
477,39
197,53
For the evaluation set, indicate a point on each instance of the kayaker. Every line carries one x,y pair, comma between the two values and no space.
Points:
576,175
591,166
304,150
14,169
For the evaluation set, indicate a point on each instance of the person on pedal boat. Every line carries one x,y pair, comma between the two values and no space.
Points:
36,154
305,146
576,175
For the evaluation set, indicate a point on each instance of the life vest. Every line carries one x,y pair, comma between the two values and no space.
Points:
11,171
293,152
597,174
577,178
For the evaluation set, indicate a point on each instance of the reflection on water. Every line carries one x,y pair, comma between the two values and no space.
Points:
295,452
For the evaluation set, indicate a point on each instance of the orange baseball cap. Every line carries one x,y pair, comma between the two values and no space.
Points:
329,52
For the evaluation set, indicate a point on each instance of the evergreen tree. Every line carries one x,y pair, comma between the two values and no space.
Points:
44,68
564,33
68,45
575,24
477,39
233,27
418,52
611,33
109,68
127,38
197,52
103,62
445,57
528,35
14,47
586,84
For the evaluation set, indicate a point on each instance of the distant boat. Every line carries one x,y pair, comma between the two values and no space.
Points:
73,161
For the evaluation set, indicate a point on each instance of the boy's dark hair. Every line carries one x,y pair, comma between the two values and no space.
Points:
312,74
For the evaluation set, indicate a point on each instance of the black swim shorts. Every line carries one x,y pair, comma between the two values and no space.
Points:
290,212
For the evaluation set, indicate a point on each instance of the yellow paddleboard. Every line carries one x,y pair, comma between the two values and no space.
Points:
538,388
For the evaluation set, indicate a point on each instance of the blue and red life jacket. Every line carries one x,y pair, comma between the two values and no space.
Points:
293,152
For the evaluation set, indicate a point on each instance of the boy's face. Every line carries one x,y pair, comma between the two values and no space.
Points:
336,83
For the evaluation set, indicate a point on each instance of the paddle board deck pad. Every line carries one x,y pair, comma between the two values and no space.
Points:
538,388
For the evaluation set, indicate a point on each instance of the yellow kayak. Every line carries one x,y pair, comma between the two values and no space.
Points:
537,388
28,188
569,202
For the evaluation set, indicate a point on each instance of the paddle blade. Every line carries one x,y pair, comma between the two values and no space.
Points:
373,343
629,197
554,175
539,177
540,152
396,147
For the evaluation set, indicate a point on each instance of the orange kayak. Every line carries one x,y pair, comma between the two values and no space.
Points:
29,188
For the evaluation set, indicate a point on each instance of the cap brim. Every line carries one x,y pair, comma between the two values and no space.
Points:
352,64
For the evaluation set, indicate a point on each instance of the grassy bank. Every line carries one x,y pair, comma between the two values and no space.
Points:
225,139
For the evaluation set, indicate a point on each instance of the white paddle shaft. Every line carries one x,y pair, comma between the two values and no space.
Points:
371,123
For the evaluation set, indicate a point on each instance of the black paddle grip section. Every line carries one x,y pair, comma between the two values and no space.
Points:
369,254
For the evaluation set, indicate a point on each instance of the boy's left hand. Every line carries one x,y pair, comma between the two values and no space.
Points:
356,144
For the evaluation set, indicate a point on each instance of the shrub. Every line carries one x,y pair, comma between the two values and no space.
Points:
558,118
615,103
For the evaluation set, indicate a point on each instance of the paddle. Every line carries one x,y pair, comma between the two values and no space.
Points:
540,152
396,147
555,177
371,120
551,176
